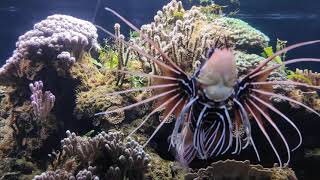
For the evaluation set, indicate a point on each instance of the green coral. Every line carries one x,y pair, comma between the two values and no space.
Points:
244,36
178,15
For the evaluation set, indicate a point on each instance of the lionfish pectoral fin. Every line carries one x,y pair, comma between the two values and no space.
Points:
266,61
163,121
275,110
262,128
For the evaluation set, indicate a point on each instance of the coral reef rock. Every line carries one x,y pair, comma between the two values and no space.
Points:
232,170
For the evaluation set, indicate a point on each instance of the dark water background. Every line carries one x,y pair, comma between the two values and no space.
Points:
292,20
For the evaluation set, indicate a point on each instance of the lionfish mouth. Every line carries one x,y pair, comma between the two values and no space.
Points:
203,129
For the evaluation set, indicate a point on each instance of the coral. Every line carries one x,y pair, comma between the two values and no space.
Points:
112,156
63,175
42,103
87,174
58,40
187,39
231,169
241,34
305,95
54,175
305,76
246,62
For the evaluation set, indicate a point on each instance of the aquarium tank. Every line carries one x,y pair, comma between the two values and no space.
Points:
161,89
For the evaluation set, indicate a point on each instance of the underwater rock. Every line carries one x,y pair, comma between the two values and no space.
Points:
95,100
231,169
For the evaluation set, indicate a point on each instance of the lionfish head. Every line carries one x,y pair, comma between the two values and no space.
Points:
219,75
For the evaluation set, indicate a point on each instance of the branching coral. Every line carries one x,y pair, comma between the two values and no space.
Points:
42,103
64,175
109,153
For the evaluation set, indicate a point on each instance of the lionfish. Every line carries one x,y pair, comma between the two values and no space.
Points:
204,124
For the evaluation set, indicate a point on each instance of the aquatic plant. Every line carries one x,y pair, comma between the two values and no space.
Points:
212,11
133,34
137,81
268,51
307,76
178,15
298,77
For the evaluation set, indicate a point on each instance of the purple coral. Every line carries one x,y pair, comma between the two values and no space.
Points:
42,103
51,39
128,157
54,175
